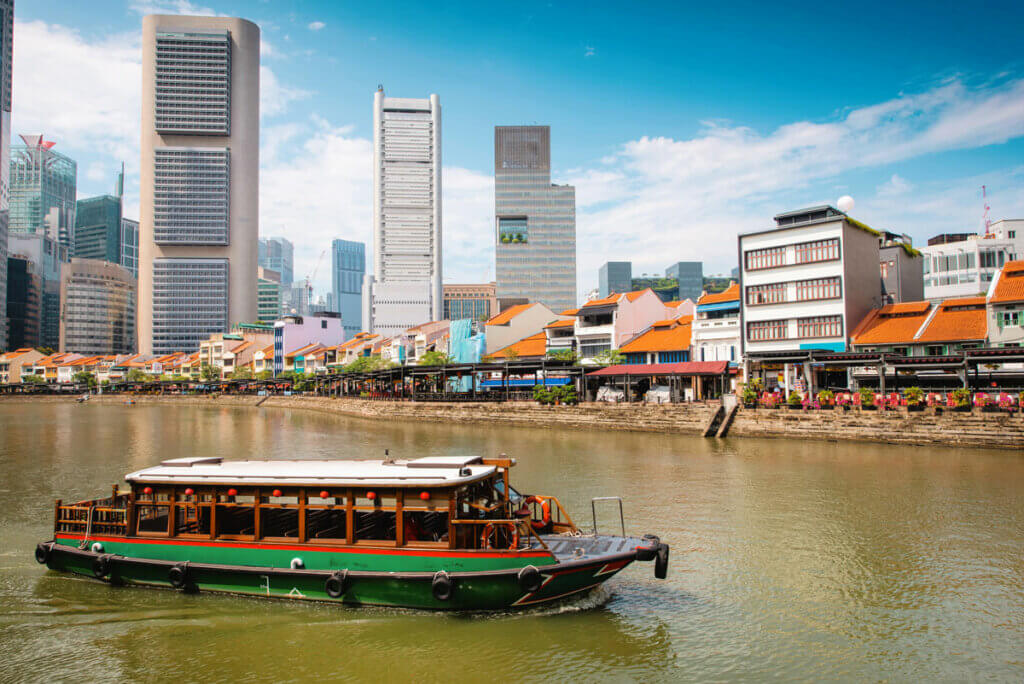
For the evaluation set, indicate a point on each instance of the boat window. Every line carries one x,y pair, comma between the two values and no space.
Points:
325,524
191,518
429,526
279,522
152,519
513,495
236,520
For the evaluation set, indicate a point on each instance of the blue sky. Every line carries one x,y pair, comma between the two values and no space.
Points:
680,125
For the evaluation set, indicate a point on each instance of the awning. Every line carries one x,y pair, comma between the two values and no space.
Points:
684,368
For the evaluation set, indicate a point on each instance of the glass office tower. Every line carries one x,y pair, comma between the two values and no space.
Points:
535,222
348,266
6,51
278,254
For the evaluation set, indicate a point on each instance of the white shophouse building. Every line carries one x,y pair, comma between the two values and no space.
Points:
716,327
963,265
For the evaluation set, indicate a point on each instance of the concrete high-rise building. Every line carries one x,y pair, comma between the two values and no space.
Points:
405,288
130,245
348,268
614,276
199,180
278,254
97,308
268,294
535,232
6,53
43,194
690,275
475,301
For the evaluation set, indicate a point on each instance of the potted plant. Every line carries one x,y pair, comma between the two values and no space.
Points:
961,399
867,399
914,396
568,395
1005,402
542,395
843,401
826,399
795,400
749,396
983,401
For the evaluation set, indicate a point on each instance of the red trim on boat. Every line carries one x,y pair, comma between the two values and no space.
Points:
401,551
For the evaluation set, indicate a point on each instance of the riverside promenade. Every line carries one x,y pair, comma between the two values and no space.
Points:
977,428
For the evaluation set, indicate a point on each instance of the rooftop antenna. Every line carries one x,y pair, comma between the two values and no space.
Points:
984,215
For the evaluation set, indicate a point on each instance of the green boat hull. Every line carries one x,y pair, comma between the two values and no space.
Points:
372,576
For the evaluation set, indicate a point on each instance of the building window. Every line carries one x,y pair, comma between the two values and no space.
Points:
936,350
1008,318
760,331
820,326
820,288
769,257
773,293
819,250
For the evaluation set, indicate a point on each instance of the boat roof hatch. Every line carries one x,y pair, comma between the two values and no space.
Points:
429,471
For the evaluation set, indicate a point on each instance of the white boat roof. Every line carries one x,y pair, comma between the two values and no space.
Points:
421,472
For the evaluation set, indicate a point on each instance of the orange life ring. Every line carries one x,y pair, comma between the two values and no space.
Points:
545,511
488,531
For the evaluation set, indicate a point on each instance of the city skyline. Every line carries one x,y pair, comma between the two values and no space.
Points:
912,143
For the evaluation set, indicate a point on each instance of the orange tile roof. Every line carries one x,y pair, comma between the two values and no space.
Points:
534,345
303,351
508,314
268,350
730,294
610,299
674,336
969,323
569,312
633,296
561,324
892,324
1010,287
674,304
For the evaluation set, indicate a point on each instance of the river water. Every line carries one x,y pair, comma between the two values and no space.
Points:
792,560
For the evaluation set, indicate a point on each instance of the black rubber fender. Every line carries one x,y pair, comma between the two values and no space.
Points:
649,551
661,562
441,586
529,579
43,553
178,576
335,584
101,566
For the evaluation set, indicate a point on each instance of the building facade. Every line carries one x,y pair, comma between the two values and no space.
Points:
614,276
1005,306
130,245
405,289
6,54
294,332
716,327
268,294
98,229
964,264
278,254
348,269
901,268
97,308
474,301
48,257
807,282
42,187
690,276
24,297
535,221
199,179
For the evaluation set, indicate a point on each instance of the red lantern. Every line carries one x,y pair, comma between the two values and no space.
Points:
324,494
371,495
425,496
147,490
232,492
189,491
276,492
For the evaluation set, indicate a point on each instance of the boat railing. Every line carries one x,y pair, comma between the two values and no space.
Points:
96,516
521,525
560,519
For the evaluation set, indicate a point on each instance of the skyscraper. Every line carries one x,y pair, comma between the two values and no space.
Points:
42,184
130,245
199,222
615,276
278,254
535,236
98,229
6,52
97,308
348,267
405,289
690,275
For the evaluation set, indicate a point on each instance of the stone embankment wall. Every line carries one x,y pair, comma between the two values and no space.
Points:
975,429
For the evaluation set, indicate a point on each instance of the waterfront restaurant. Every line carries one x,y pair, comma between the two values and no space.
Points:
688,380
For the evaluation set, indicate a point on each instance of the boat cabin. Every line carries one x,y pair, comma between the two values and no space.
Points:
460,502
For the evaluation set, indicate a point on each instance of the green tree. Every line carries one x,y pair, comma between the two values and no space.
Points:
435,358
33,379
242,373
511,355
208,373
569,355
609,357
365,364
46,350
84,377
136,375
265,375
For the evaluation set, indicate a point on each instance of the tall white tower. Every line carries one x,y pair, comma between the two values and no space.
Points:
199,180
405,289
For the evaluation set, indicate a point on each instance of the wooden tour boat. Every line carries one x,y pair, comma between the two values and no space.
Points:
436,533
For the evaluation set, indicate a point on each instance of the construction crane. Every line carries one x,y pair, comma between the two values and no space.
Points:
311,278
984,215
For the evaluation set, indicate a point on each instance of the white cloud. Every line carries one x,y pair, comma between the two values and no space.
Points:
275,97
173,7
316,25
589,51
893,187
